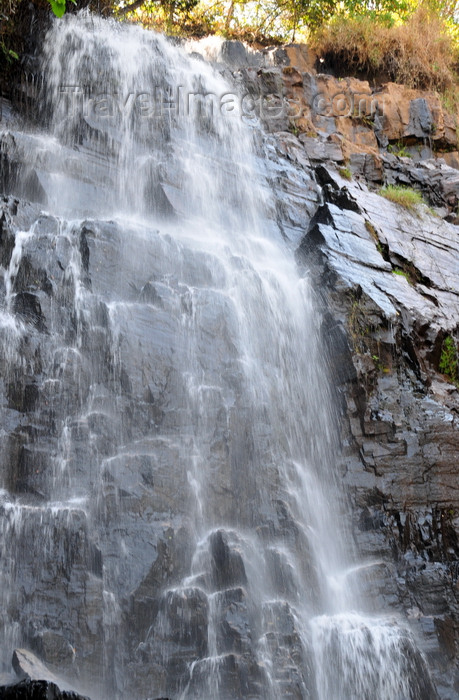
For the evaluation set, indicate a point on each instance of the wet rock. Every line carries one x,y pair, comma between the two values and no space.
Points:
176,639
227,565
112,363
156,199
6,240
9,169
185,615
31,187
28,306
170,564
233,53
28,666
237,677
293,672
37,690
399,419
31,278
234,622
54,649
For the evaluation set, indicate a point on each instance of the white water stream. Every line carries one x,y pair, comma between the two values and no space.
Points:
254,432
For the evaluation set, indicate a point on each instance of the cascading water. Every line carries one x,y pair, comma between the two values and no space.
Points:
173,517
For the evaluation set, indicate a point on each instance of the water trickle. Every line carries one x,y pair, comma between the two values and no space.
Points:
183,400
370,657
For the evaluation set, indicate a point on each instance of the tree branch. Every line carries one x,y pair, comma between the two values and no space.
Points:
130,8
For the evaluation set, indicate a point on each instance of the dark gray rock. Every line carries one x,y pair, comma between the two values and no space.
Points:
421,122
234,622
94,396
438,182
234,54
227,564
322,149
37,690
238,677
37,680
27,665
400,414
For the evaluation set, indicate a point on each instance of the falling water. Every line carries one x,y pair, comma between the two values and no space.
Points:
192,418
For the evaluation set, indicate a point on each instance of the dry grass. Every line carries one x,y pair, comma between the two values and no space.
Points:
421,53
404,196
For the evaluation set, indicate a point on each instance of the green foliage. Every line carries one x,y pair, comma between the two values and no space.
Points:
59,7
363,334
379,36
172,16
313,13
346,173
449,360
399,149
316,13
384,11
401,273
9,54
379,366
263,20
365,119
403,196
421,51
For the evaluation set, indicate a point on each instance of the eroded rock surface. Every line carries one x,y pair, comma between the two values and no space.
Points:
388,281
37,690
387,285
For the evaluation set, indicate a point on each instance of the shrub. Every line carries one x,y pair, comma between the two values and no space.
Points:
346,173
399,149
404,196
401,273
449,359
421,53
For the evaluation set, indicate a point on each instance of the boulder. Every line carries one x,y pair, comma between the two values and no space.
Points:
227,564
37,690
27,665
38,682
408,113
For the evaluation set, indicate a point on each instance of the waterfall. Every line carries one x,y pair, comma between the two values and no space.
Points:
171,510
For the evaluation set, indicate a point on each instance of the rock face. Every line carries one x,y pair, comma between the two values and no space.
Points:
387,133
38,682
94,395
37,690
389,285
28,666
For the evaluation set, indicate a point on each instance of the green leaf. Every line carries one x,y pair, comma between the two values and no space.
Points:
13,54
58,7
